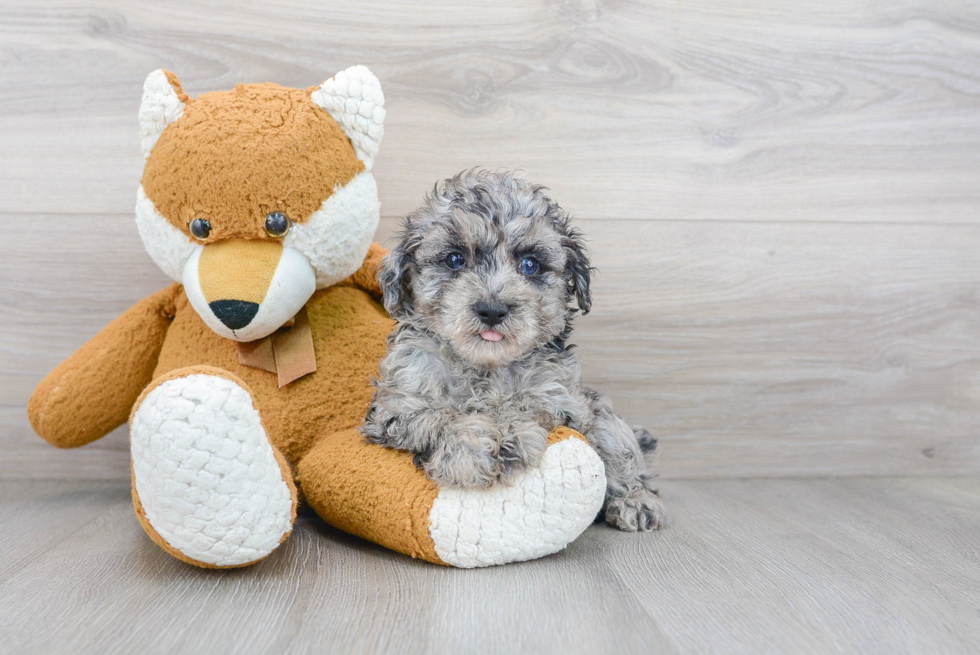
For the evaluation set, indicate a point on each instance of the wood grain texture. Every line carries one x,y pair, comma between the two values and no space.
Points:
820,110
821,318
763,566
748,349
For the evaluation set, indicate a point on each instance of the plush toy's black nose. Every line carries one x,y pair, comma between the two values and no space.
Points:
235,314
491,314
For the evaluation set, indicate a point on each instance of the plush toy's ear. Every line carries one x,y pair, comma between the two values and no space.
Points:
354,98
578,269
163,103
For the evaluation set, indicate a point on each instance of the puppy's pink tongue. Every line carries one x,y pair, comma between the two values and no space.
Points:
491,335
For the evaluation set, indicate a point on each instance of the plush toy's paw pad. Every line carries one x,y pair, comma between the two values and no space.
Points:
543,510
207,483
640,510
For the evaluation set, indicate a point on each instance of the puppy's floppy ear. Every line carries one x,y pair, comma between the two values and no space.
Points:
393,277
578,269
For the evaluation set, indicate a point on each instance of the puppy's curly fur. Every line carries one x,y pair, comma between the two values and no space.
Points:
478,370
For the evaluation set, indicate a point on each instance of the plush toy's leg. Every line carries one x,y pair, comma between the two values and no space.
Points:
378,494
208,486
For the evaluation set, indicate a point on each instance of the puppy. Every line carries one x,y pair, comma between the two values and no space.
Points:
478,370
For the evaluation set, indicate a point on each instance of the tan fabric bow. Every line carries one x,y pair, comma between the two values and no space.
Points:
287,352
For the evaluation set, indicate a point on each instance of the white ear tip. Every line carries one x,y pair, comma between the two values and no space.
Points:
157,80
355,100
161,106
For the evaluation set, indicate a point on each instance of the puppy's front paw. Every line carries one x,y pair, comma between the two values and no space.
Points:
523,446
466,455
462,468
638,511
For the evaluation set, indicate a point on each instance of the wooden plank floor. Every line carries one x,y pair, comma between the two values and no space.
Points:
879,565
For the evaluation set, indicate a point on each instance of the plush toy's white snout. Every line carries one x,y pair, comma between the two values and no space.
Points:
246,290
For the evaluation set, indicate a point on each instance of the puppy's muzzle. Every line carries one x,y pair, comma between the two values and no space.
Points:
247,289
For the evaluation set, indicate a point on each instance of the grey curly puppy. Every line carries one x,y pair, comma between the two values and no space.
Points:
478,370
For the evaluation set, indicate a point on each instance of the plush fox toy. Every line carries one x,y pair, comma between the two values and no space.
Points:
244,382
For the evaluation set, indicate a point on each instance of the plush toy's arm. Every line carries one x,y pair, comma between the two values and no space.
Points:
92,392
366,277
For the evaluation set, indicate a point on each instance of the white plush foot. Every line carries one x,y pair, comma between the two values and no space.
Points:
539,513
205,474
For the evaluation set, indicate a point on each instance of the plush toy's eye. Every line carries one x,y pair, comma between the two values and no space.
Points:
200,228
277,224
530,266
455,261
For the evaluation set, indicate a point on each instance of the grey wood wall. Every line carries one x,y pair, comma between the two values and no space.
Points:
782,198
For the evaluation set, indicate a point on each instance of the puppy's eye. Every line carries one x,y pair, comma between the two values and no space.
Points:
530,266
455,261
277,224
200,228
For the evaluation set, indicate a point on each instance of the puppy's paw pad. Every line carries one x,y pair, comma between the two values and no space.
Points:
638,511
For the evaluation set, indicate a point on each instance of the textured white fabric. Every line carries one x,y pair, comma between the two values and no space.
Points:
168,247
160,107
355,100
206,474
541,513
337,237
291,286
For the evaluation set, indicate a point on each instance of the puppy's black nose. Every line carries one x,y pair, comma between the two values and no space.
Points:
235,314
491,314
